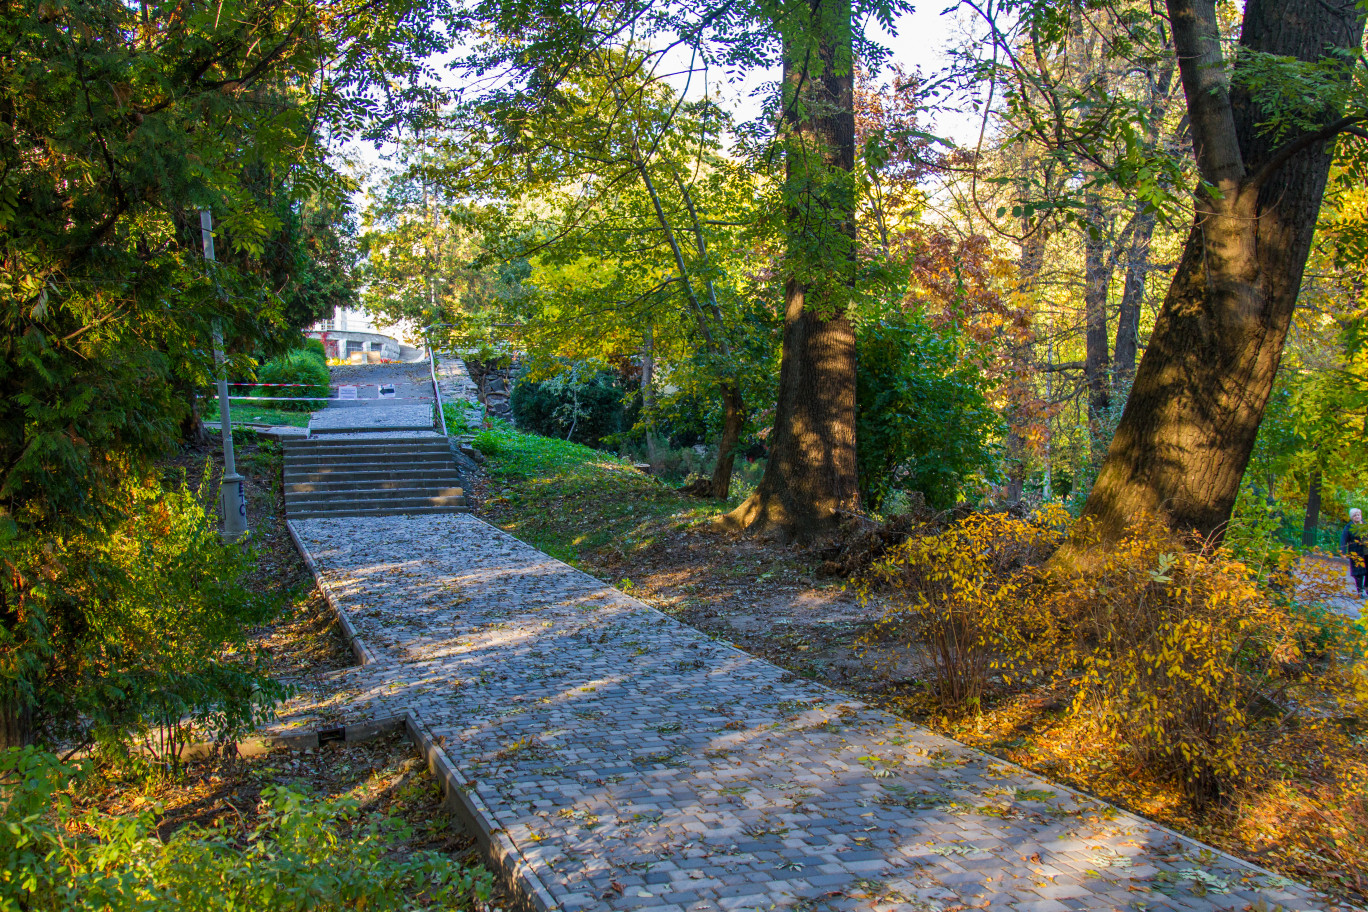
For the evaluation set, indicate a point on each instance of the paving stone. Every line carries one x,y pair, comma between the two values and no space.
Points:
588,720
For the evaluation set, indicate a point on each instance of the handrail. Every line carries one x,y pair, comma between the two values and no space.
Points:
437,390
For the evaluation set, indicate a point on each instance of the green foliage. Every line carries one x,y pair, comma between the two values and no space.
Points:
298,366
314,348
138,631
924,422
515,454
566,498
579,405
307,854
455,415
123,121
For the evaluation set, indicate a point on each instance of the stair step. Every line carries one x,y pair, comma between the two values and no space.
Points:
407,495
376,453
324,501
368,465
315,431
403,484
397,473
341,444
376,477
355,452
361,512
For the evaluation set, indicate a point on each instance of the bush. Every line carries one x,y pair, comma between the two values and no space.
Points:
137,632
307,854
315,349
1178,652
923,421
298,366
1171,648
964,593
587,409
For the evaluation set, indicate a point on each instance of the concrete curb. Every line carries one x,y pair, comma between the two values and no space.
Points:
497,849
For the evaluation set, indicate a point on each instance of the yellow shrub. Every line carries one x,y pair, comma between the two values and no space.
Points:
966,594
1181,654
1187,657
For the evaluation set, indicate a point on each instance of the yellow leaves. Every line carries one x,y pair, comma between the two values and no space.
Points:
1168,645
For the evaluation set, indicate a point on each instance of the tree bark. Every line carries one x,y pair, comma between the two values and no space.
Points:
810,477
16,726
648,392
1132,297
733,421
1097,272
1189,427
1313,505
1018,390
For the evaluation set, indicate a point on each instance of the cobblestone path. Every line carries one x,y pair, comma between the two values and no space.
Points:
620,760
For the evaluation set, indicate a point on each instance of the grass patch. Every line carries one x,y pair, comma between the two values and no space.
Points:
568,499
255,413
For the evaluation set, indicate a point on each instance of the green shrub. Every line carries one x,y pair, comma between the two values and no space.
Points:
455,415
924,422
298,366
136,632
587,409
314,347
307,854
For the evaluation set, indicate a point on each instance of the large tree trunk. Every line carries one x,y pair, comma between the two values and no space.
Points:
1132,297
733,420
810,476
16,726
1097,271
1199,394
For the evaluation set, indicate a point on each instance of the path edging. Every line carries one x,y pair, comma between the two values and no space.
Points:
498,850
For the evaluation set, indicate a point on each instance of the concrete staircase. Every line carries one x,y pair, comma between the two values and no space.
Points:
354,476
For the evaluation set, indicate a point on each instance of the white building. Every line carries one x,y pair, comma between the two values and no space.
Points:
353,334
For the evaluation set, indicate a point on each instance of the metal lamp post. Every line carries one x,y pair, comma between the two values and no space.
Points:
232,493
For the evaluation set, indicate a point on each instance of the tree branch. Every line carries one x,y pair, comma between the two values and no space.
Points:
1302,143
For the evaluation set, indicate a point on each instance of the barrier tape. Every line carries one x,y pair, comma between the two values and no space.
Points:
330,385
327,399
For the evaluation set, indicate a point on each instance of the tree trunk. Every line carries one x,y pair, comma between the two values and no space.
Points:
1017,389
733,420
810,476
1202,385
16,726
1097,272
1313,505
1132,297
648,393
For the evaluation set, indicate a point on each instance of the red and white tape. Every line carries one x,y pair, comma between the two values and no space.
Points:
331,385
328,399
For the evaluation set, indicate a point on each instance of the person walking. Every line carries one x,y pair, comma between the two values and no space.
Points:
1354,547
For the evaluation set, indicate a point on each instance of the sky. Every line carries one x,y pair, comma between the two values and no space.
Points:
920,43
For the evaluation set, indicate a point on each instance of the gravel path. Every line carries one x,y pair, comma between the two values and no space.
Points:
620,760
412,384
